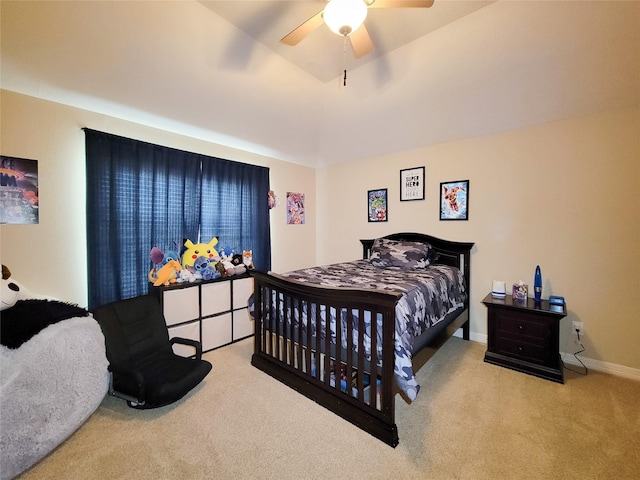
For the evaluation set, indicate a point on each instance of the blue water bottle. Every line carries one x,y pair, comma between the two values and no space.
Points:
537,285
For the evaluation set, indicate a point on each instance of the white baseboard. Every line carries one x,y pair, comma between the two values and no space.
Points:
569,359
475,337
600,366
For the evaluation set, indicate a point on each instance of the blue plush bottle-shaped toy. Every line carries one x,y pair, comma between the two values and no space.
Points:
537,285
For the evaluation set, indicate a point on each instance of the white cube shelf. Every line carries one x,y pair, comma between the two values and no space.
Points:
213,312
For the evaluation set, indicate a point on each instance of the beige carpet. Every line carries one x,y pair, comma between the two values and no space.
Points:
471,420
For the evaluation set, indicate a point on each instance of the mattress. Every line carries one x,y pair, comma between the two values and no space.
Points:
430,296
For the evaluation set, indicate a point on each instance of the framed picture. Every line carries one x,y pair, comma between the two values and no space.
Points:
412,184
377,205
454,200
19,202
295,208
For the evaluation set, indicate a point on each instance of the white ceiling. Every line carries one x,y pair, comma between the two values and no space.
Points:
182,67
320,52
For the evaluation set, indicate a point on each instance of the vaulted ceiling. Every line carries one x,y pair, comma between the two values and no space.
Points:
215,70
321,52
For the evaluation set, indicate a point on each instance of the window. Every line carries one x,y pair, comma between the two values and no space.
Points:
141,195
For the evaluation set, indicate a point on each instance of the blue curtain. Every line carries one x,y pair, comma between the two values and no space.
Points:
232,195
141,195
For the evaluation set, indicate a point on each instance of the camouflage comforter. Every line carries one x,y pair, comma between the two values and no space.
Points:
429,294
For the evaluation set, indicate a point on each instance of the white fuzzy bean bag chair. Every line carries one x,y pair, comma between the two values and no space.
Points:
49,385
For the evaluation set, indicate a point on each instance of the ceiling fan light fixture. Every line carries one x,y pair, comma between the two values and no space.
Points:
344,16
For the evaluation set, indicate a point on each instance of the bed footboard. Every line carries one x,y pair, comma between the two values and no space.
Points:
294,345
350,374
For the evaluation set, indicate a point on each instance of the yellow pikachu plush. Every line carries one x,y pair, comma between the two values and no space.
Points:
195,250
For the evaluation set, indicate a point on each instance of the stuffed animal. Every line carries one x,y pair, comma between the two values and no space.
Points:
156,256
199,265
231,267
167,274
11,291
170,255
243,262
226,253
195,250
220,269
186,276
204,270
159,259
247,258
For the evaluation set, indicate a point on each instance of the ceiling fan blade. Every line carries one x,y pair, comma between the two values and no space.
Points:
361,42
298,34
399,3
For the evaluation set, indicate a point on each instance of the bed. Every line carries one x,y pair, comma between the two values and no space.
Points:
379,332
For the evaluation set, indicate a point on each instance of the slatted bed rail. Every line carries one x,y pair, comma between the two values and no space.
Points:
293,345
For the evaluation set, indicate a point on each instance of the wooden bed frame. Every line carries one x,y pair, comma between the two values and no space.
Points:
310,365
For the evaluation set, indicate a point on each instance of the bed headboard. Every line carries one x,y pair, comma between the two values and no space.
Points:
456,254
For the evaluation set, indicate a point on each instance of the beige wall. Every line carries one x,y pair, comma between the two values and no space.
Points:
562,195
50,257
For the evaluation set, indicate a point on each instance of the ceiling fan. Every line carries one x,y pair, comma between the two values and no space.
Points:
346,18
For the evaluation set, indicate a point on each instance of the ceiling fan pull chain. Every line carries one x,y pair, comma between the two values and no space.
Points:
343,62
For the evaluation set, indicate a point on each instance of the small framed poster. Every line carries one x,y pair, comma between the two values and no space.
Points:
377,205
295,208
412,184
19,201
454,200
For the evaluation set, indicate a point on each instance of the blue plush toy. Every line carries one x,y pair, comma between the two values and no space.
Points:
204,270
170,255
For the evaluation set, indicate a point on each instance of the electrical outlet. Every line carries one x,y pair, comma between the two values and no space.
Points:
575,326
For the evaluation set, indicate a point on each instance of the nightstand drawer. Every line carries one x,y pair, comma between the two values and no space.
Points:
530,327
516,348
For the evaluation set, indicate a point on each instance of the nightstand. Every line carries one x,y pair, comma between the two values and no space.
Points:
525,336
